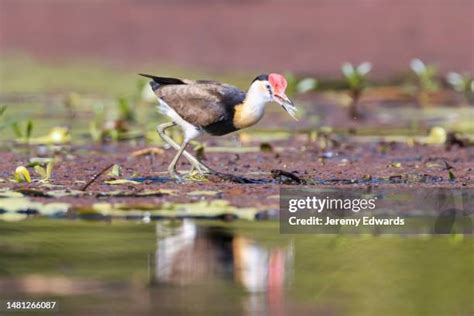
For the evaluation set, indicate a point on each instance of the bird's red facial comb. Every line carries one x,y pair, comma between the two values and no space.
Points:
278,83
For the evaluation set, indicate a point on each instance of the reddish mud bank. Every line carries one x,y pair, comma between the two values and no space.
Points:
261,173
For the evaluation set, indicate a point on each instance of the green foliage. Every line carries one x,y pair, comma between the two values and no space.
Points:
29,129
463,83
16,130
451,175
3,108
306,85
299,86
426,75
356,77
72,100
2,111
22,174
104,127
126,110
44,172
116,171
23,133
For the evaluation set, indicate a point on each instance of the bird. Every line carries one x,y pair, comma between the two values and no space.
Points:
210,107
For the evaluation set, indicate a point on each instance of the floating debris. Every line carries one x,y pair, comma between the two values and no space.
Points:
285,177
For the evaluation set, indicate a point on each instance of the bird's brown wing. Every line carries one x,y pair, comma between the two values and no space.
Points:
201,103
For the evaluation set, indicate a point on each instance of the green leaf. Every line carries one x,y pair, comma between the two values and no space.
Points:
49,170
40,171
451,175
125,109
116,171
307,84
29,129
22,175
16,130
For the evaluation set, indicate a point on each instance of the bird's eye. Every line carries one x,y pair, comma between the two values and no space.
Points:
269,89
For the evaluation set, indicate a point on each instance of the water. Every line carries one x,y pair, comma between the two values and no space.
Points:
238,268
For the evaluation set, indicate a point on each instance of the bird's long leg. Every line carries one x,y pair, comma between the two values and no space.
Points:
193,160
172,166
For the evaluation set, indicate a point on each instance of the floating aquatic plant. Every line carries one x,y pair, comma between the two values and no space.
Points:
44,171
426,75
119,127
463,83
451,175
22,175
356,78
116,171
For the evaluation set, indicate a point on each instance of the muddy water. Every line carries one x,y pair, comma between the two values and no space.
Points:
241,268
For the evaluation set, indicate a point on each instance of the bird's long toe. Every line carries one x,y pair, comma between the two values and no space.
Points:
174,174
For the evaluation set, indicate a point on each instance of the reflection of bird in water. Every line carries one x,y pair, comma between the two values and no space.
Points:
445,221
192,255
206,106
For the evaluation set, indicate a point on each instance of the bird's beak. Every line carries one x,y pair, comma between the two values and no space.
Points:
286,103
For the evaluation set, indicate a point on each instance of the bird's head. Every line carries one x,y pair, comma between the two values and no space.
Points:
272,88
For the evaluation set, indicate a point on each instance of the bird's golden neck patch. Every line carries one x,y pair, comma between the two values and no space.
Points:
246,115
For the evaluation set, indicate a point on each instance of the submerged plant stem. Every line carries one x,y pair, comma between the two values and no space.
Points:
96,176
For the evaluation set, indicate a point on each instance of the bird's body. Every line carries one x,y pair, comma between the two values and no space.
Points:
205,106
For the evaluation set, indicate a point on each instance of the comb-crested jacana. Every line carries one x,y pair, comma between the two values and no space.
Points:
205,106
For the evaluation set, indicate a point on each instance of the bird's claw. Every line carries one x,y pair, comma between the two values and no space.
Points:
174,174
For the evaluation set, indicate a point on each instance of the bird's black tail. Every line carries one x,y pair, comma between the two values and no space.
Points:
159,81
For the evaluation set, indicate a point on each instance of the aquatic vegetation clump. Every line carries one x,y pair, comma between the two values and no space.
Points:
426,80
463,83
426,75
356,79
299,86
23,134
44,171
116,124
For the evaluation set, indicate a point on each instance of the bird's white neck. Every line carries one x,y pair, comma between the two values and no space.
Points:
257,97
